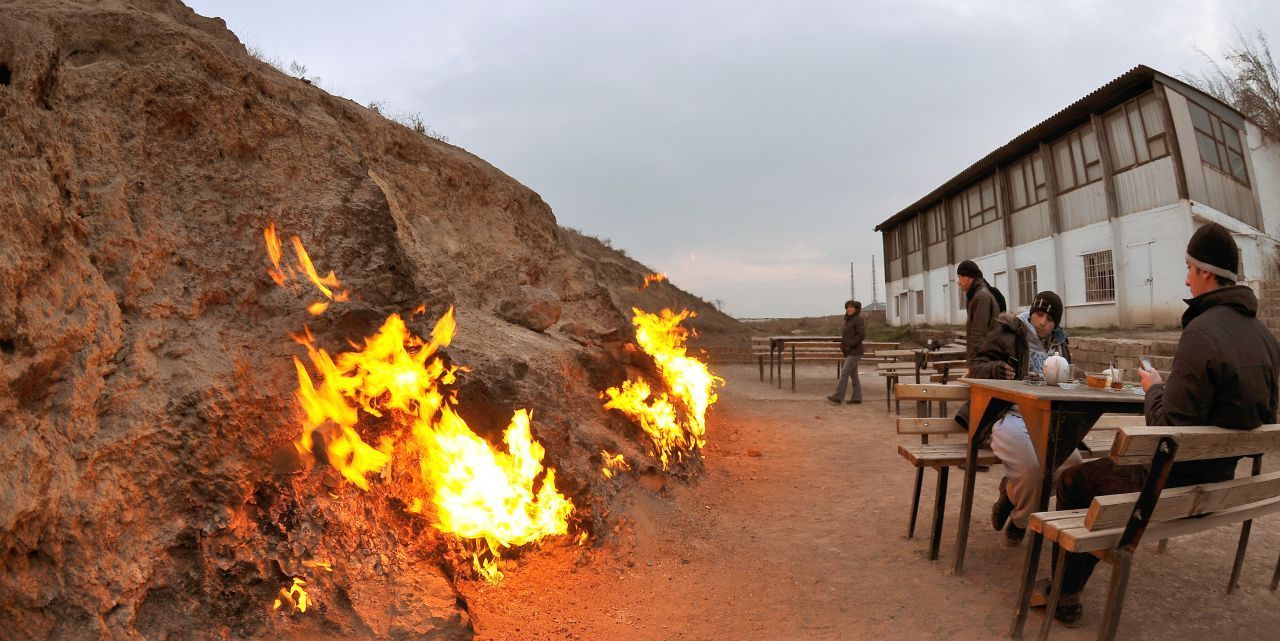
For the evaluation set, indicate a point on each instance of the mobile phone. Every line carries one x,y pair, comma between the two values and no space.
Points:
1146,364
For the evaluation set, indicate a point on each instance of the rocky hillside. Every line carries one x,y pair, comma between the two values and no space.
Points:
146,375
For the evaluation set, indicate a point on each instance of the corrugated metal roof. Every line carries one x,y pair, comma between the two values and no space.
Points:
1127,85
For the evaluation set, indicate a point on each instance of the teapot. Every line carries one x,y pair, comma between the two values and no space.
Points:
1056,369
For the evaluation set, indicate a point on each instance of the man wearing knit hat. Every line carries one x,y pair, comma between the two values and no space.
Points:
981,307
1224,373
1019,345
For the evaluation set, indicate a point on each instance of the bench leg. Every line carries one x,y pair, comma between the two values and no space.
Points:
1055,593
1163,547
1115,596
939,509
1240,550
1245,528
915,504
888,394
761,359
1275,578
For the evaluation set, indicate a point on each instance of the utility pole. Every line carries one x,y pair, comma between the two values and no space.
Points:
875,291
853,290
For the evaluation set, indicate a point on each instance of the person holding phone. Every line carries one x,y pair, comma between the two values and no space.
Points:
1224,373
1019,345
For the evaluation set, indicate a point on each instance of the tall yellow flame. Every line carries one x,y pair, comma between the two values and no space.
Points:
497,499
687,381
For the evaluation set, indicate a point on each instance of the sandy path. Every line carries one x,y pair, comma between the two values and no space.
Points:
806,541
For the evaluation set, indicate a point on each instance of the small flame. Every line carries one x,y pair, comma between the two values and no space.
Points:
323,565
612,463
294,596
282,275
687,380
653,278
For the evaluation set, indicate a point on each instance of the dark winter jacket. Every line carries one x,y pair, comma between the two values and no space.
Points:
982,310
855,331
1224,373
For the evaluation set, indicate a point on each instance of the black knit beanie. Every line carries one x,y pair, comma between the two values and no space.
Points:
969,268
1213,250
1049,302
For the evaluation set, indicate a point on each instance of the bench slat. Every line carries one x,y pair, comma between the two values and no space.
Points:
1113,510
1072,535
1136,445
943,455
923,392
930,426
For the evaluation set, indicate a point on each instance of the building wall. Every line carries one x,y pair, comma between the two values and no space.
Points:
1265,162
1147,187
1030,224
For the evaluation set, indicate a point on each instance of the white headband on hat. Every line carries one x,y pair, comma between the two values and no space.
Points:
1212,269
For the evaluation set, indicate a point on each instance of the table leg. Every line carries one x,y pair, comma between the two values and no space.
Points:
1038,422
979,401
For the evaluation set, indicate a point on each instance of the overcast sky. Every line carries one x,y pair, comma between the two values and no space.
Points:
745,148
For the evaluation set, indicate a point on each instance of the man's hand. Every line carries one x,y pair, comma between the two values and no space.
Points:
1009,373
1149,378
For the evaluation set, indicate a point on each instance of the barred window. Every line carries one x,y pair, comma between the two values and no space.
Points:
1099,277
1027,286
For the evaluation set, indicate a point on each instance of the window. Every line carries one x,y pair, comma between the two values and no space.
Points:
912,229
1136,132
1099,278
1027,286
1219,143
891,243
902,306
1027,182
1076,159
920,302
937,225
975,206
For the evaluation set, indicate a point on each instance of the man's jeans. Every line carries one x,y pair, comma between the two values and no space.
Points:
849,372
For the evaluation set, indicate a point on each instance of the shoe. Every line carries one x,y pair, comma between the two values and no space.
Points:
857,402
1001,509
1013,534
1070,612
835,399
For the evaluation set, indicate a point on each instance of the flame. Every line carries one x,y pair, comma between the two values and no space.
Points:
687,381
612,463
323,565
295,596
494,499
653,278
282,275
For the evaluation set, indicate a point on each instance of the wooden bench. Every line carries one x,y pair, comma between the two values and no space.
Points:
1114,525
816,351
941,457
896,371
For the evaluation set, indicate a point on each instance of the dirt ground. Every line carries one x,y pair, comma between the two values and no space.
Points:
796,530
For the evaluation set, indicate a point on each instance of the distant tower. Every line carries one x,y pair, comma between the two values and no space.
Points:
853,290
875,292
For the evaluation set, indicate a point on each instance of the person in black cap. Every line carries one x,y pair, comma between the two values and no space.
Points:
981,305
1224,373
1019,345
855,331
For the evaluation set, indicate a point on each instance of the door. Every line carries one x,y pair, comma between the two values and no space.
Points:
1140,295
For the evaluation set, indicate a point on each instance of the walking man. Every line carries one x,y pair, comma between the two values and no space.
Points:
1224,373
981,307
855,331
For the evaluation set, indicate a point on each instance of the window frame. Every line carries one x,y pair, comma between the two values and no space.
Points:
1025,171
962,213
1127,112
1220,145
1025,295
1074,141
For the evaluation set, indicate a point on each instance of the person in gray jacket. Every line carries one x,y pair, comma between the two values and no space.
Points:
855,331
982,307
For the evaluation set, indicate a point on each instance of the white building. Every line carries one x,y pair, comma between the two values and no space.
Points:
1096,203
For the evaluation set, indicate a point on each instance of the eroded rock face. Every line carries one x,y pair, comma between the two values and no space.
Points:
146,376
531,307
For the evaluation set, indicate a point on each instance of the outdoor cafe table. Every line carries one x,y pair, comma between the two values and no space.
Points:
1046,410
778,344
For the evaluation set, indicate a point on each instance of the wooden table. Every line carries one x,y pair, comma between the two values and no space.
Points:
1057,420
778,344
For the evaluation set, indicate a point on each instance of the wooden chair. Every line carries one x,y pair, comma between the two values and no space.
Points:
1113,526
939,456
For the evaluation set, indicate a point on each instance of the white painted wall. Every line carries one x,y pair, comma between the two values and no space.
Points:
1264,156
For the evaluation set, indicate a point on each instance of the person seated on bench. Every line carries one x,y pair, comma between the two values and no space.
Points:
1020,344
855,331
1224,374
